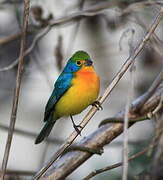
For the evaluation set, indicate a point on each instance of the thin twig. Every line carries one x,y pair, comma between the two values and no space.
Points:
132,57
19,172
159,107
5,40
98,139
96,9
121,120
58,21
125,132
107,92
127,108
99,171
149,93
137,5
17,88
30,134
93,11
10,38
29,50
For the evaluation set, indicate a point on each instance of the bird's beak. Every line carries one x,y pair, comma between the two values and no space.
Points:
88,62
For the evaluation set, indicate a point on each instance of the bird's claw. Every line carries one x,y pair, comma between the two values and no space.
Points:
97,104
76,127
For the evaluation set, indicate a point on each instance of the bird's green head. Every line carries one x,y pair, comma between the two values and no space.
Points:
78,60
80,55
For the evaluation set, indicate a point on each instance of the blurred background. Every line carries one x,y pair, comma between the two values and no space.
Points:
109,36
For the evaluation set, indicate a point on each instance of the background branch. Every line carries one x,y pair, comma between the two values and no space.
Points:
102,136
30,134
29,50
107,92
150,92
10,38
19,172
99,171
92,11
17,88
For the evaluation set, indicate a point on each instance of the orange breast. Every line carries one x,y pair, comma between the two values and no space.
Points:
87,81
83,92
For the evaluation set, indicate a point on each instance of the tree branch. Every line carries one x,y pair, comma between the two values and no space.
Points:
107,168
96,9
19,172
10,38
93,11
17,88
149,93
102,136
29,50
107,92
121,120
31,134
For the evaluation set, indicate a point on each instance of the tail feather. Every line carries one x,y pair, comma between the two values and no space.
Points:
45,131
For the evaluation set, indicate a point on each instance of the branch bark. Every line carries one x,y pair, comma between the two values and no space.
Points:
107,92
98,139
107,168
92,11
17,89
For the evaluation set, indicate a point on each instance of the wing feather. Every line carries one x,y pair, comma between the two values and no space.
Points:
62,84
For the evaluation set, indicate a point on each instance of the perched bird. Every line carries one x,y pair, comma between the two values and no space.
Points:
76,88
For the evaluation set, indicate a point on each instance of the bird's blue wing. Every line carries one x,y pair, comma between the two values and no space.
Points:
61,86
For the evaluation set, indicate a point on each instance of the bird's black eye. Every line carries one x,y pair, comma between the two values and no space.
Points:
78,63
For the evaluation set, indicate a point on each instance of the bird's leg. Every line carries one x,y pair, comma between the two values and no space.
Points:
97,104
76,127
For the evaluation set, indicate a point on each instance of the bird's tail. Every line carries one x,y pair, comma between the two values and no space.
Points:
45,131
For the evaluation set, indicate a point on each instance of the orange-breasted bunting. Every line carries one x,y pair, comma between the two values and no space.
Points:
75,89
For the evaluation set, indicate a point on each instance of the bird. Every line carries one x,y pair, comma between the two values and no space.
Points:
76,88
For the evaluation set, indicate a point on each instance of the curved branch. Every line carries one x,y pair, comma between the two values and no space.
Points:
107,92
29,50
17,89
93,11
102,136
107,168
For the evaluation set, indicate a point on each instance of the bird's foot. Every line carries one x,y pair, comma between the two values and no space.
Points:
98,105
77,128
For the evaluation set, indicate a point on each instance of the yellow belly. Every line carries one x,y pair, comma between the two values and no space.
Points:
81,94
